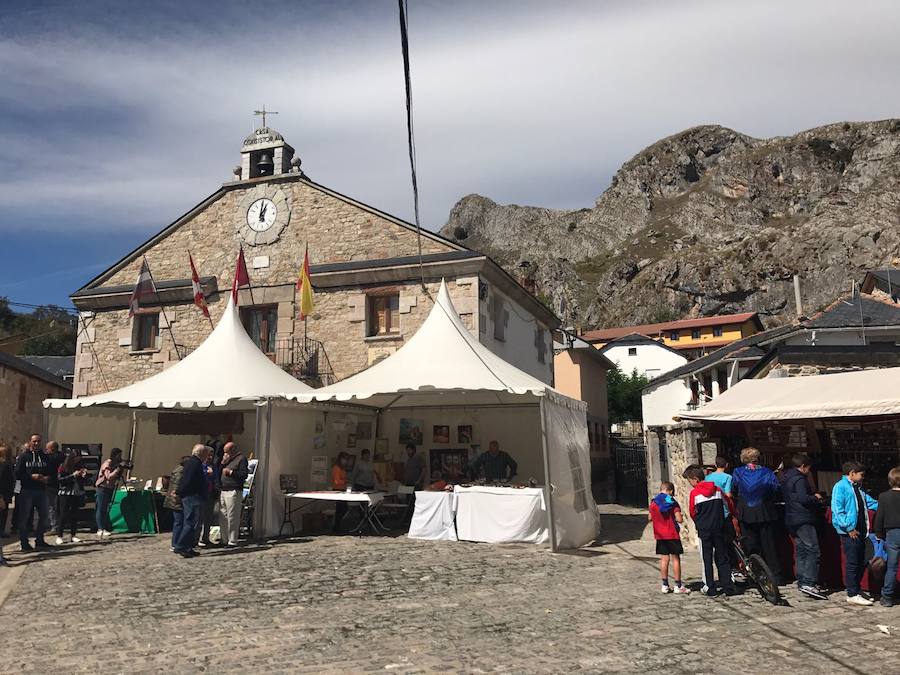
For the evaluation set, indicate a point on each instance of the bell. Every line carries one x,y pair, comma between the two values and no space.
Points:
265,165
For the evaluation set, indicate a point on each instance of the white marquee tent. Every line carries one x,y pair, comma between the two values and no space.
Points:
854,394
227,372
443,374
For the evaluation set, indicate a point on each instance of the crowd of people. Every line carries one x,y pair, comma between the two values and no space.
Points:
753,501
211,475
46,489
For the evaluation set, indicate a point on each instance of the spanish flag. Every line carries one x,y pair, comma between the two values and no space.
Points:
304,288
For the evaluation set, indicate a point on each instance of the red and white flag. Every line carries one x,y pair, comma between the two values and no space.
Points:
199,298
241,276
143,288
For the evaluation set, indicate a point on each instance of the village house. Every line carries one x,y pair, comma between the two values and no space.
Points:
647,357
22,388
691,337
580,372
373,288
856,332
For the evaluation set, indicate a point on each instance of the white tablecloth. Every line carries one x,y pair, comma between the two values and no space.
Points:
371,498
433,516
501,515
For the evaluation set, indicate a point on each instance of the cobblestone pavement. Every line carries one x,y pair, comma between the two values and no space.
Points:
344,604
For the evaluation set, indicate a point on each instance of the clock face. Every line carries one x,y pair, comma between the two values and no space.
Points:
261,215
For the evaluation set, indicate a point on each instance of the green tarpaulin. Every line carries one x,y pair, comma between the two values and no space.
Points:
133,511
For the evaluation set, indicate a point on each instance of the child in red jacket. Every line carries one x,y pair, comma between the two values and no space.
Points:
707,509
665,514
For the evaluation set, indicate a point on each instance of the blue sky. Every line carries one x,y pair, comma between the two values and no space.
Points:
116,117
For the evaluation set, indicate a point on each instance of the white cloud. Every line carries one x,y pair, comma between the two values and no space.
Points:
535,104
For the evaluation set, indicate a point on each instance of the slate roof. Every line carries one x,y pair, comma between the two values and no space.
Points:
845,313
23,366
61,366
745,348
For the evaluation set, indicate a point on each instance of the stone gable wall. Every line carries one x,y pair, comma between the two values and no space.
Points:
335,231
338,321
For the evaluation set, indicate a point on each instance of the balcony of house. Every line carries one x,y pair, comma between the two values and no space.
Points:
301,357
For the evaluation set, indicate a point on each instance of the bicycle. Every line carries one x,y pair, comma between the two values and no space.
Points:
754,568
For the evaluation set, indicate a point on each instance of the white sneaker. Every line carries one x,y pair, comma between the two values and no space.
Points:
859,600
76,540
59,541
664,588
682,589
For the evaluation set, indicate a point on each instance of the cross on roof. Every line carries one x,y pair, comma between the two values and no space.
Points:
264,112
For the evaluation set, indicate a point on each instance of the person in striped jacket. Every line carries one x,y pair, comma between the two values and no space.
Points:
707,509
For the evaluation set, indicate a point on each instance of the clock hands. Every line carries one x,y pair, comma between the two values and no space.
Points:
262,212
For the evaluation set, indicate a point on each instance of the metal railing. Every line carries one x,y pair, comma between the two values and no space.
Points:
301,357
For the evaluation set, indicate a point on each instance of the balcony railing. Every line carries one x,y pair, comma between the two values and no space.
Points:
302,357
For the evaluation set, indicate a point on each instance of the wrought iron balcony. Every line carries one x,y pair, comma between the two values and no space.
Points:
302,357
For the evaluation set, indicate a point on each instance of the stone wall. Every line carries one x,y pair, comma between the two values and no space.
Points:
803,370
16,426
335,230
683,449
338,321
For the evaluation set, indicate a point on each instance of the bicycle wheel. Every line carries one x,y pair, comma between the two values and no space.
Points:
764,579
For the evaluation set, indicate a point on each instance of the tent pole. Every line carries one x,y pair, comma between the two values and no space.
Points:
257,482
268,455
549,489
133,435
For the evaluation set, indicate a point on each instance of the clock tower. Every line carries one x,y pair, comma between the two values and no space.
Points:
265,153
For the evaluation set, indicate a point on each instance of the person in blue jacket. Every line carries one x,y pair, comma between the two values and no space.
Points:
850,506
755,490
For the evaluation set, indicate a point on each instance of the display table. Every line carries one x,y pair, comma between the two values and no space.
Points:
500,515
367,502
133,511
433,516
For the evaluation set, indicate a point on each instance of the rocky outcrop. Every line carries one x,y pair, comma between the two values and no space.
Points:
708,221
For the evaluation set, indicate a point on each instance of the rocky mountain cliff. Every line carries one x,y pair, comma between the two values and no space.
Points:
708,221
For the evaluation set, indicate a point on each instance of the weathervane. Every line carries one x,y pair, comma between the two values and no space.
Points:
264,112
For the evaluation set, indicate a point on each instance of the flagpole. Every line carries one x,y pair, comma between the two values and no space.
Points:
162,309
249,285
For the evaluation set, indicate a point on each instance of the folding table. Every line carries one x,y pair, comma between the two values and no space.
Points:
368,503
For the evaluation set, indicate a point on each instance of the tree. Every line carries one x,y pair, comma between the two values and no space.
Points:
48,330
624,393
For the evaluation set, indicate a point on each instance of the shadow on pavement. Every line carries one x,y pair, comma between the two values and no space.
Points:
619,527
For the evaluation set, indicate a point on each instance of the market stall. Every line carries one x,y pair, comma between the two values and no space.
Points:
224,388
833,418
446,391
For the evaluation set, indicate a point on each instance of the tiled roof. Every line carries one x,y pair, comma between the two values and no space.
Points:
653,329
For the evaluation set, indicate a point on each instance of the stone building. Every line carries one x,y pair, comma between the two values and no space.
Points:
372,287
23,387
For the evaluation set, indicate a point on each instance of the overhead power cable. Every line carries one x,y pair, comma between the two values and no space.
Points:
410,134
